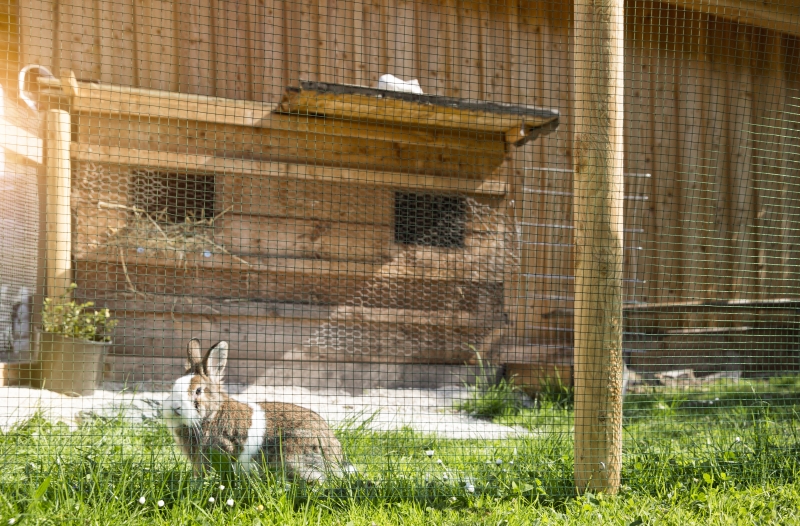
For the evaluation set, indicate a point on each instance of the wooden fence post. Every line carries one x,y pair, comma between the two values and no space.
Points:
598,187
58,218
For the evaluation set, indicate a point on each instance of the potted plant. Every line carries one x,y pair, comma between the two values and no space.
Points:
72,344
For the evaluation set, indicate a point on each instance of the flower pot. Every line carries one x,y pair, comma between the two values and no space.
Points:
70,366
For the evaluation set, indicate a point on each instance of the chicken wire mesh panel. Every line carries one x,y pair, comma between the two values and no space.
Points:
338,250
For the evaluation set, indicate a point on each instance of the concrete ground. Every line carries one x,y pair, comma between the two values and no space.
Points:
427,411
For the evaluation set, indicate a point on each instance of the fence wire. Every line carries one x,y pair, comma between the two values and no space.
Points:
328,250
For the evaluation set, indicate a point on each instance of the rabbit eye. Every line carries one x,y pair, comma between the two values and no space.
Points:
199,391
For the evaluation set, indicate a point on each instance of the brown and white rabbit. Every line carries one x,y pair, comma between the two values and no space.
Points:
208,424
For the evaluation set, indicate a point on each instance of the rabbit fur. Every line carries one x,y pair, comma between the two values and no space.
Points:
208,424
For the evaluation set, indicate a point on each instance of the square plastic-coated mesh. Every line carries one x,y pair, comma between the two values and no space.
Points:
447,256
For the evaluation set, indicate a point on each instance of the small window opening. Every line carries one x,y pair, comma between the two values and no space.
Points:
429,219
174,197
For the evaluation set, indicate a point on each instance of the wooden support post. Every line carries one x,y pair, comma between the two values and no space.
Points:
58,220
598,185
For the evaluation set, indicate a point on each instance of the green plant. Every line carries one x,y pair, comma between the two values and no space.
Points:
556,392
76,320
490,400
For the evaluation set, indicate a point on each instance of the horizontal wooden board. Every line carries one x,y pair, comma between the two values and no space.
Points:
281,279
423,111
304,140
137,305
166,335
777,16
106,99
332,240
305,199
215,163
307,281
251,312
338,199
301,238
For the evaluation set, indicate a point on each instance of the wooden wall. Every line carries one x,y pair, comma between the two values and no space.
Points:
710,108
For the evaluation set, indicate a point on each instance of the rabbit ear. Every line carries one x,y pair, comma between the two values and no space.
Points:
216,360
194,354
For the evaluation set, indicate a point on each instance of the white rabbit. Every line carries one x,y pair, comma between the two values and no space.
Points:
208,424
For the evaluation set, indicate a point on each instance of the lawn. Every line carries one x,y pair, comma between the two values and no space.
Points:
721,455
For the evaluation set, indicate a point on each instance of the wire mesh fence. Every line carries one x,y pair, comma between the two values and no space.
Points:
433,250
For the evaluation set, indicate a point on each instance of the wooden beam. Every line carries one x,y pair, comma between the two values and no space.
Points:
58,223
780,16
107,99
599,37
515,124
160,160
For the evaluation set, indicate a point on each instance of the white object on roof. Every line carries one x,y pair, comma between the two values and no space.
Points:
392,83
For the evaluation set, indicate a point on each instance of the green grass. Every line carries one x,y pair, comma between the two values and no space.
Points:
722,455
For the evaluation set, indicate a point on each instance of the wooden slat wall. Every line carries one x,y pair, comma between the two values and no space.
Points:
704,98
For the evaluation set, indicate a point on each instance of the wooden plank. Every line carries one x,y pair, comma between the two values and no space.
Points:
128,304
105,99
423,111
308,39
193,54
665,238
220,276
156,54
717,279
305,199
116,41
374,42
496,51
451,320
304,140
360,73
775,237
638,154
692,212
165,335
222,165
58,220
303,238
76,36
469,43
231,50
321,239
741,189
328,29
102,273
451,22
37,26
431,46
400,38
768,100
266,26
791,222
527,207
776,16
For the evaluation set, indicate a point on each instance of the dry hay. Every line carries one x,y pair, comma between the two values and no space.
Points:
151,234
